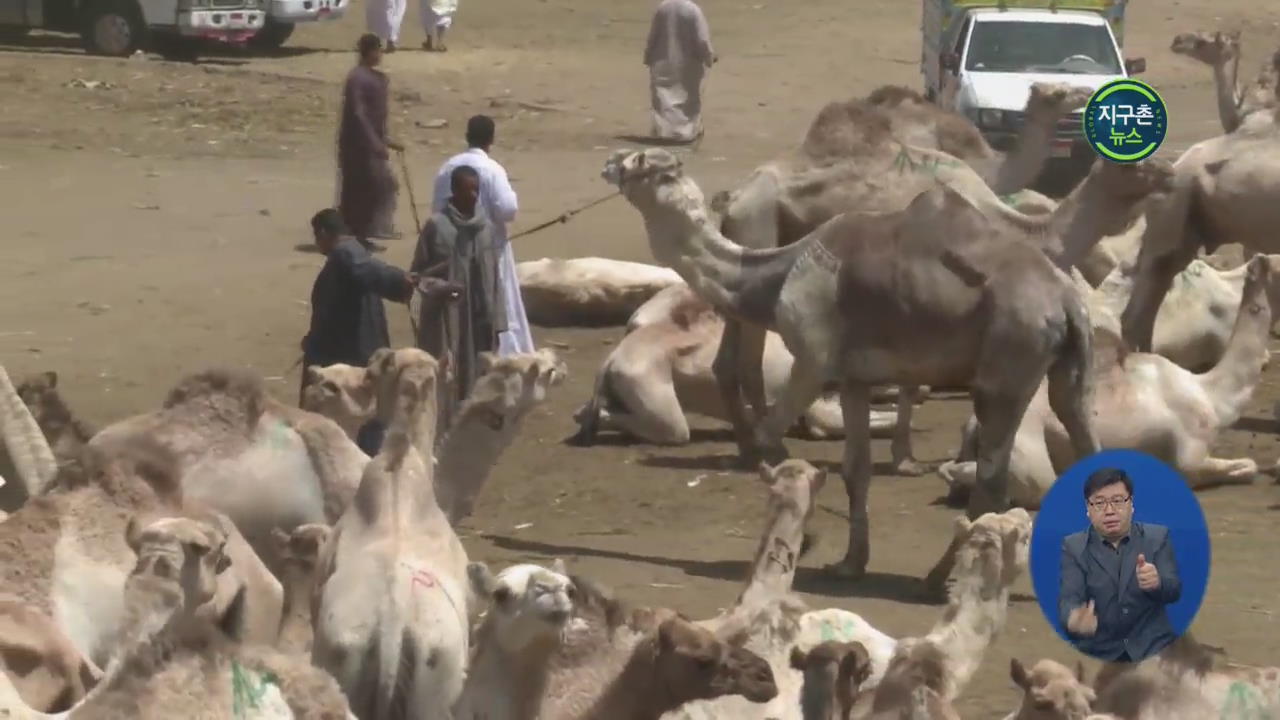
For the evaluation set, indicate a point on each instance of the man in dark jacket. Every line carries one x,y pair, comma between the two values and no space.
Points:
347,318
368,187
1117,576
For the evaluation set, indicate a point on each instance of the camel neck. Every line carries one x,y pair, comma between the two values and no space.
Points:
295,625
967,627
636,693
467,456
1019,166
1224,82
1231,382
774,568
1080,221
737,281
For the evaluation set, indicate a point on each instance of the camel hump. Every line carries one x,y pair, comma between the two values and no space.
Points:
230,393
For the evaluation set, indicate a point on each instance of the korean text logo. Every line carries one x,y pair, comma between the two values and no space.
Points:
1125,120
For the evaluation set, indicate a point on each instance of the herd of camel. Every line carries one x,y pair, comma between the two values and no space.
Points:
231,556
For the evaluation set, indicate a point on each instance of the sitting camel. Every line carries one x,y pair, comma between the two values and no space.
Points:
855,158
616,663
299,552
588,290
662,370
63,554
829,297
1219,50
1051,691
509,387
1196,318
393,607
1146,402
834,674
529,607
1183,682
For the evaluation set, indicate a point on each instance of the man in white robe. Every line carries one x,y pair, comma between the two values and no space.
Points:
437,18
498,202
678,54
383,18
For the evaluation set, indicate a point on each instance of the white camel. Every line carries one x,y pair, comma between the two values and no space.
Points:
588,290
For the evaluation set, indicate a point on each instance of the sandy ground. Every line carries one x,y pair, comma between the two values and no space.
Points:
151,221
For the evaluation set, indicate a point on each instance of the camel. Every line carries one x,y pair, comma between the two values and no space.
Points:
833,672
1219,50
393,606
1001,337
1184,681
526,621
587,291
662,370
63,553
299,552
1197,315
27,461
48,674
341,393
785,200
616,663
1147,402
1051,691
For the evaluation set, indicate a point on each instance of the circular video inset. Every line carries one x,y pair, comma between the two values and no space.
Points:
1120,555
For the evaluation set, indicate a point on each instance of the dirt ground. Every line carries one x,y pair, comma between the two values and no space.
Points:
152,211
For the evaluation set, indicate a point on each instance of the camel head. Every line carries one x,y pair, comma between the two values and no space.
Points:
299,550
993,550
529,603
692,663
1210,48
1050,101
509,386
343,393
183,551
40,394
642,174
1051,691
793,491
404,381
833,673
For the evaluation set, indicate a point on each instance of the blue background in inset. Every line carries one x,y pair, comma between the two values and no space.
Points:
1160,496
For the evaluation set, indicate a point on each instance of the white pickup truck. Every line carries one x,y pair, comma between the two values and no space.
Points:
120,27
980,58
283,15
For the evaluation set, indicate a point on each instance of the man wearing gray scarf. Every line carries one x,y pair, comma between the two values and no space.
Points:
462,317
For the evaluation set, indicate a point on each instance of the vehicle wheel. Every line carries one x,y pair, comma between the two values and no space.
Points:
113,27
272,36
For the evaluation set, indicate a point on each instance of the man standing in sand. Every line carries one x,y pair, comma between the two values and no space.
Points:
499,204
367,185
1117,576
678,55
383,19
437,17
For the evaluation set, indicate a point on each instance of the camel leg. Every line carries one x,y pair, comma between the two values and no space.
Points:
999,404
804,385
751,339
1214,472
903,461
653,413
1070,381
1168,246
727,369
855,404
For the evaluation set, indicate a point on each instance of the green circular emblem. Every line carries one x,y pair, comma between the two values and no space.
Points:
1125,120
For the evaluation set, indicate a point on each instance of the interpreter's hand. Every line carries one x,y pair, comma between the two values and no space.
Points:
410,283
1148,576
1082,620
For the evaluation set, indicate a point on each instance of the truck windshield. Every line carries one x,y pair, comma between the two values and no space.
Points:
1042,47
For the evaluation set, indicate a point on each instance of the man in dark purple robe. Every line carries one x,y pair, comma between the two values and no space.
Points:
368,184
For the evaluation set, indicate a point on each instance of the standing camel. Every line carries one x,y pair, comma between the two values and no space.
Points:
877,298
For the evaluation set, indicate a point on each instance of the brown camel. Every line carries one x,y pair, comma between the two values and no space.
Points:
1051,691
877,298
833,672
864,170
299,551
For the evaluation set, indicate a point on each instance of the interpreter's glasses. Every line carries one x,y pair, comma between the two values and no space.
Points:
1116,503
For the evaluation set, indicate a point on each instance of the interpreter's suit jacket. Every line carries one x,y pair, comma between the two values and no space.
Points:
1130,620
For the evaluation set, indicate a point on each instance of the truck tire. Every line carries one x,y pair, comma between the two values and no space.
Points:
272,36
113,27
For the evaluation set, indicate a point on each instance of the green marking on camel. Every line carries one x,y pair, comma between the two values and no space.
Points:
1243,703
929,164
245,693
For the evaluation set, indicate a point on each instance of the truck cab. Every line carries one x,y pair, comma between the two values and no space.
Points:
981,58
121,27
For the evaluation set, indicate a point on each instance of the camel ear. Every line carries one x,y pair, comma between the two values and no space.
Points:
484,362
767,473
381,360
281,540
819,479
51,379
133,534
799,658
862,662
559,567
963,526
482,581
667,635
313,374
1019,674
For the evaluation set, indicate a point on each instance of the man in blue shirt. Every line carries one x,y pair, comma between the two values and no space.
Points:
1117,576
348,321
